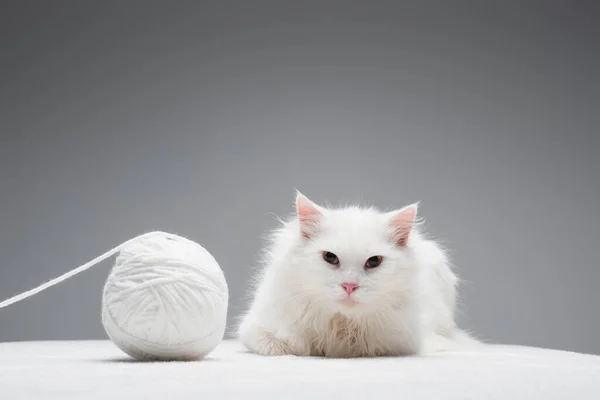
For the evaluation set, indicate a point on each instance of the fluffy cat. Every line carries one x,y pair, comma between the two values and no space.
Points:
352,282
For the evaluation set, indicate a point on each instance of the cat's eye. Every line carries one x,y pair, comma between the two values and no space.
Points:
373,262
330,258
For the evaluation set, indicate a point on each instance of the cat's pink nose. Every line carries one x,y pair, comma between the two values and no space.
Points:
349,287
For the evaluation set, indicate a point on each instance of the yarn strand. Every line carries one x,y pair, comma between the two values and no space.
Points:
67,275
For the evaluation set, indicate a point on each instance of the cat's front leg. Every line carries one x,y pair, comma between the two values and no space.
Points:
268,342
272,344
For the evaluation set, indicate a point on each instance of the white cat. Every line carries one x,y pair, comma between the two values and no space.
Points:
352,282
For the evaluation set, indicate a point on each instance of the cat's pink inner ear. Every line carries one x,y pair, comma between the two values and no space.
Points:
402,223
308,215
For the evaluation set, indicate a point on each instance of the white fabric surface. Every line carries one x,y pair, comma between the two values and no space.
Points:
90,370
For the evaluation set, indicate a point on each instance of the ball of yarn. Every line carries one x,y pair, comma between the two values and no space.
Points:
165,299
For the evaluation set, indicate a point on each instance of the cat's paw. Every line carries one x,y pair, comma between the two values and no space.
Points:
269,344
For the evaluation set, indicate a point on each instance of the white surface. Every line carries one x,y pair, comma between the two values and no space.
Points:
98,370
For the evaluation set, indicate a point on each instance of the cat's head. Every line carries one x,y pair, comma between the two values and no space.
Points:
352,259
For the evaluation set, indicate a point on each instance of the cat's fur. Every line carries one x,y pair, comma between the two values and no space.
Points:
405,306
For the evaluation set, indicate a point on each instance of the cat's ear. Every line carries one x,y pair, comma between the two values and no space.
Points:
402,222
309,215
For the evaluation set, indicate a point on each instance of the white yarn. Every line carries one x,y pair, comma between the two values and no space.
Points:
165,298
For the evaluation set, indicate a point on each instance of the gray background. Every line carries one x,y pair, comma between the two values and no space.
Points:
202,118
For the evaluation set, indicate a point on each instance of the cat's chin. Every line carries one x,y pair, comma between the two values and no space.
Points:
348,304
348,309
351,307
